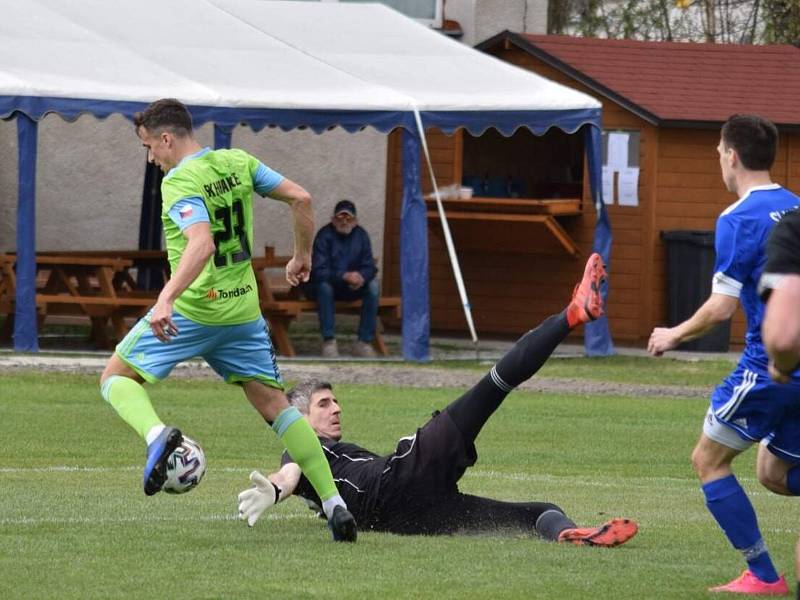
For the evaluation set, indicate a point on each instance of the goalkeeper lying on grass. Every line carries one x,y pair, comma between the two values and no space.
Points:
414,490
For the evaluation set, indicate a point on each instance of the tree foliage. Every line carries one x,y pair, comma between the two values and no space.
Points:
723,21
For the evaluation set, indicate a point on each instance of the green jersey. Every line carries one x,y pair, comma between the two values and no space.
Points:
225,292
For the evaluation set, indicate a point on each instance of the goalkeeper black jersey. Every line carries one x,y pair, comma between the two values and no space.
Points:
783,253
357,473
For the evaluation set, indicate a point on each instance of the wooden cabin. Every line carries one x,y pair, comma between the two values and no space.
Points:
524,235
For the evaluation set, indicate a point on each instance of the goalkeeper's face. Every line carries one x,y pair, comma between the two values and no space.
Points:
324,414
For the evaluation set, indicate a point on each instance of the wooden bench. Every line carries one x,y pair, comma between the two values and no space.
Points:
281,304
123,280
83,285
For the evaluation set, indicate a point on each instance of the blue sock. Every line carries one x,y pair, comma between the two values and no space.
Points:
730,506
793,480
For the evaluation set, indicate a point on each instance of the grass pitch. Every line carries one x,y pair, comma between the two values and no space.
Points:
75,524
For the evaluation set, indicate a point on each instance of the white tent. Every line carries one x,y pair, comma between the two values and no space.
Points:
261,62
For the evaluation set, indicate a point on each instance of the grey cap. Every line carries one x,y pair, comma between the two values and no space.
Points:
345,206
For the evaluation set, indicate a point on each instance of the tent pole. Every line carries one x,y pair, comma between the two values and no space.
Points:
597,336
25,326
448,238
222,136
415,324
150,277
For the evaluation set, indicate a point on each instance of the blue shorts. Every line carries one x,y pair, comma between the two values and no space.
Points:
748,407
237,352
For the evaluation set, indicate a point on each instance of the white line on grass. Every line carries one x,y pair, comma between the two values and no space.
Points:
138,519
79,469
617,482
65,469
612,481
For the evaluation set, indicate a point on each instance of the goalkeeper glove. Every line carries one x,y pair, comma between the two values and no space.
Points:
255,500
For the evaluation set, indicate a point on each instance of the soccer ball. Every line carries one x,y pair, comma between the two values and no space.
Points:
185,467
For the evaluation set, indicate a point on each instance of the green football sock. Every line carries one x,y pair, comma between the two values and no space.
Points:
131,402
303,446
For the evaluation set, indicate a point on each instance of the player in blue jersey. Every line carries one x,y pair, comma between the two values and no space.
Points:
747,407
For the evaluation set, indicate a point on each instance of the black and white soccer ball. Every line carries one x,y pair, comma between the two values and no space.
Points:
185,467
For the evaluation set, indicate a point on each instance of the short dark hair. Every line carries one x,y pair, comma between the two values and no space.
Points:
167,113
754,138
300,395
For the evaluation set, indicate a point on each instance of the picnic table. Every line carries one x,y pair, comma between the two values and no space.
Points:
93,285
99,286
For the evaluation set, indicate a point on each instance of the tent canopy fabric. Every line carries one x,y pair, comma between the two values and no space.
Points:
238,59
267,63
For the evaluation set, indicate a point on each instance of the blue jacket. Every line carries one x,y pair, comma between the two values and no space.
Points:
335,254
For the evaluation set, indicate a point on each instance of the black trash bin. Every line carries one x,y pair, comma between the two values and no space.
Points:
690,269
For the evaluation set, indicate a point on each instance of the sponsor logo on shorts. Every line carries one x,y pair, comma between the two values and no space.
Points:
213,294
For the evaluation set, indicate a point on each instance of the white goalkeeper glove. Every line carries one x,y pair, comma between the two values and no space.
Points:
255,500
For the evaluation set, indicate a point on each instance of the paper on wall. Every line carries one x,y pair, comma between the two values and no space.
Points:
617,157
629,186
608,185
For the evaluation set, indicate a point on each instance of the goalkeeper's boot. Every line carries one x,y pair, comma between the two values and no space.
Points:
587,302
748,583
613,533
343,525
155,470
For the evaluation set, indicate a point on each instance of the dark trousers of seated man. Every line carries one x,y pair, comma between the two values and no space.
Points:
419,490
326,294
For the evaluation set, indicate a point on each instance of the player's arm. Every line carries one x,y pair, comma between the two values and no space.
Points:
781,327
298,269
735,254
266,492
286,479
718,308
267,182
199,248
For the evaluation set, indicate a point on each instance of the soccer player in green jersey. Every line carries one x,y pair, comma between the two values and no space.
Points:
209,307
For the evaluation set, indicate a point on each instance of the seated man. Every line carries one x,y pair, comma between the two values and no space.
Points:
343,268
415,489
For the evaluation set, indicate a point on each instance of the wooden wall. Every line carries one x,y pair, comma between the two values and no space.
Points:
509,291
690,195
679,188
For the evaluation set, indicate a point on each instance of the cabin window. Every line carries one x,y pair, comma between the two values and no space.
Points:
525,165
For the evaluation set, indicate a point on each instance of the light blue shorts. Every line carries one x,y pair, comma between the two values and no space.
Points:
749,407
237,352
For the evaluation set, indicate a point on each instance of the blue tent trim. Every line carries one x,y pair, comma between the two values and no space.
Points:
508,121
414,236
475,121
257,118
